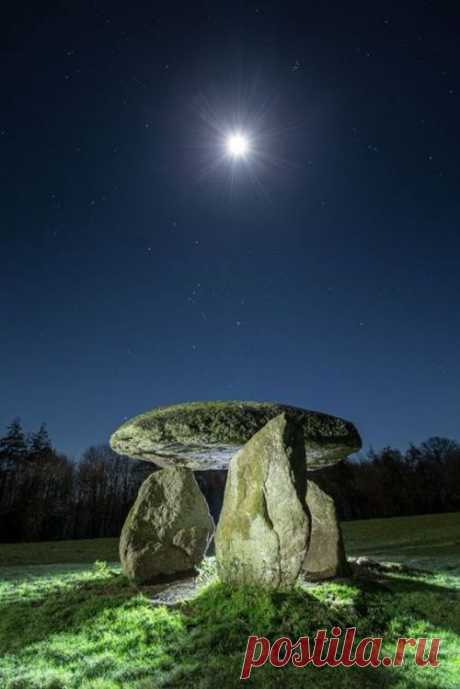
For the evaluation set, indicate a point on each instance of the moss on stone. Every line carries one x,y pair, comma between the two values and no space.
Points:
263,528
167,529
204,435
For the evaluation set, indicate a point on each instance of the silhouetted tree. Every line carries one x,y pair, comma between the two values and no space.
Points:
106,487
40,444
13,454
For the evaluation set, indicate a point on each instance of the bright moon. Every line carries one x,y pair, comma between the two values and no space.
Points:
237,145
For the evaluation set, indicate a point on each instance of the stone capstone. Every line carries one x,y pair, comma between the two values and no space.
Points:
168,528
263,531
206,435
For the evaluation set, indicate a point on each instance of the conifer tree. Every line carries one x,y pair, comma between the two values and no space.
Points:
13,445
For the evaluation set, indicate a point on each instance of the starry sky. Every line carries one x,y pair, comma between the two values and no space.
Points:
140,265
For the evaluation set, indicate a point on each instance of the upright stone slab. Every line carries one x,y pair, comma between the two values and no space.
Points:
325,557
263,530
168,528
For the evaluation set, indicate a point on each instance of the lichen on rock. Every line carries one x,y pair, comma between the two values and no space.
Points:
325,557
263,530
206,435
168,528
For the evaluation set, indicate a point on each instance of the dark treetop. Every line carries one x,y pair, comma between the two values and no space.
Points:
205,435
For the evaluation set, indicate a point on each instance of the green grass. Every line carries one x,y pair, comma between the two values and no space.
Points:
430,541
81,626
58,552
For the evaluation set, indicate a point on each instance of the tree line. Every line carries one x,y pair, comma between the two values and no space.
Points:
423,479
45,495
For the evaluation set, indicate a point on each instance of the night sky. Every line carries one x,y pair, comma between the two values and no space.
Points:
141,265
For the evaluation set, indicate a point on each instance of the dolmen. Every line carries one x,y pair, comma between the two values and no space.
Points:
276,523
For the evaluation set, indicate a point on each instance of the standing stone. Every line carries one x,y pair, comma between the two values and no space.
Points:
263,531
326,554
168,528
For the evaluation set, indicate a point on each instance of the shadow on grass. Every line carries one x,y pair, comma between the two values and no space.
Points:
219,621
208,647
435,602
34,618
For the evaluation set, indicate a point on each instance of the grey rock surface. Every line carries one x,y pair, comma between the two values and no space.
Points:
263,530
206,435
325,557
168,529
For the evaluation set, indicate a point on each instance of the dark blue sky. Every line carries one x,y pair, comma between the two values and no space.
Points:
323,271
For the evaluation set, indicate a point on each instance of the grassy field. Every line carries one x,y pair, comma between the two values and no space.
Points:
58,552
430,541
67,623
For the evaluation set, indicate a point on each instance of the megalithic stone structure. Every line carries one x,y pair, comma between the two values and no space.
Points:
267,508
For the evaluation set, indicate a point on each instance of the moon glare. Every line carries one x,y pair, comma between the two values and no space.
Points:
237,145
